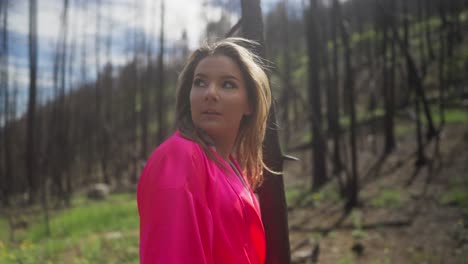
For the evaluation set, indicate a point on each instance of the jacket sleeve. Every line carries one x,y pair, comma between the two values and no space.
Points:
175,224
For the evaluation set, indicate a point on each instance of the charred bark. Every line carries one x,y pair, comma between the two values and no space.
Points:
161,82
319,175
271,192
31,162
352,184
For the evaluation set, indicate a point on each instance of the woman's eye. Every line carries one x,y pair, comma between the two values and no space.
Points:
199,83
229,85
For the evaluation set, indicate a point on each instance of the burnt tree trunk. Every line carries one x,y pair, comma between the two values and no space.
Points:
100,121
87,122
392,86
415,83
333,115
161,82
352,188
442,52
144,107
6,179
287,75
319,175
420,36
62,142
387,84
31,164
107,87
271,192
427,29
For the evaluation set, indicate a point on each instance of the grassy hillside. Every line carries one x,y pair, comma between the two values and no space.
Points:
89,232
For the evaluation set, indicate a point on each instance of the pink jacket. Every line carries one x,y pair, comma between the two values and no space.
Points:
192,211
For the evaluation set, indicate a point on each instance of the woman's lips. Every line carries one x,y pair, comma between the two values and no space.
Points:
211,112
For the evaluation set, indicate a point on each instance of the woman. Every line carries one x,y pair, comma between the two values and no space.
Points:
195,196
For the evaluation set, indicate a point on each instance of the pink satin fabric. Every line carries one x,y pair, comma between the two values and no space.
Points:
193,211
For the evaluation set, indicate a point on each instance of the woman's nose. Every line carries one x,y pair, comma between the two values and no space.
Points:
212,92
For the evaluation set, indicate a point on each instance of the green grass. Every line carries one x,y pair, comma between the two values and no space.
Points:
402,129
114,214
457,193
89,232
299,196
388,198
4,234
361,116
385,260
347,259
464,16
119,250
425,257
357,219
453,115
328,193
292,194
458,196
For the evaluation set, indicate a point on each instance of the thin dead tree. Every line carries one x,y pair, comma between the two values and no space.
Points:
271,192
319,175
428,29
442,66
416,84
57,145
144,104
422,50
107,88
388,81
64,120
132,90
100,122
286,74
161,112
87,125
333,105
31,164
6,179
352,183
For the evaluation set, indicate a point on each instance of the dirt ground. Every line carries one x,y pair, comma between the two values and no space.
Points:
412,225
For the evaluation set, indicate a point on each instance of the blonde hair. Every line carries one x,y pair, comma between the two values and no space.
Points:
248,147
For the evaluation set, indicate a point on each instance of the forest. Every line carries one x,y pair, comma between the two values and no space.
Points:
369,124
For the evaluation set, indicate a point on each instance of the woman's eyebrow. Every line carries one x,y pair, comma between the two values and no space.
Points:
201,75
228,76
225,76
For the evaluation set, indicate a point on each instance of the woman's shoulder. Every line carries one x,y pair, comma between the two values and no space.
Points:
178,145
173,160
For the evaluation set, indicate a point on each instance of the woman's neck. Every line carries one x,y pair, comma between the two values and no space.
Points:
223,144
223,150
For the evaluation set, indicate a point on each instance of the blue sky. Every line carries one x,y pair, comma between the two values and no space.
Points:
117,20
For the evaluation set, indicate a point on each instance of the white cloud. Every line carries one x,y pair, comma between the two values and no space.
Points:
48,18
118,18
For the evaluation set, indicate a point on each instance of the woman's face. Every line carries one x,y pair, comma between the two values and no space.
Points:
218,97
